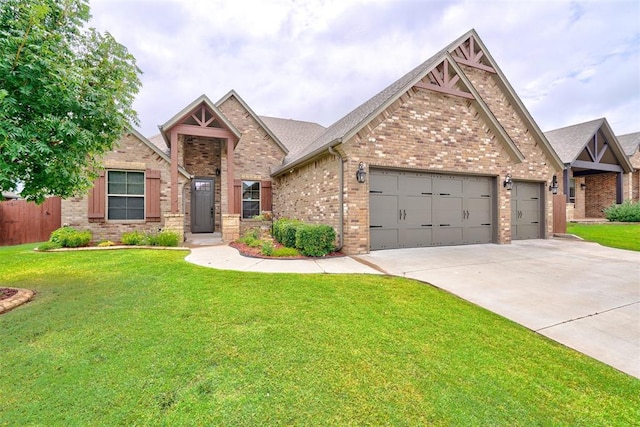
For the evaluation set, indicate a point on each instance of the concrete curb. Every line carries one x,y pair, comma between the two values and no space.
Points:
12,302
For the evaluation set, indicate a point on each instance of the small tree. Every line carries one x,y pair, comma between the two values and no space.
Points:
66,96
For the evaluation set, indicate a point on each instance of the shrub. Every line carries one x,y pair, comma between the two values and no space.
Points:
250,237
315,240
134,238
267,248
285,252
69,237
164,238
47,246
625,212
284,231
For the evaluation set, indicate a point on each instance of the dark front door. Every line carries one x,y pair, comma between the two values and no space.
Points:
202,199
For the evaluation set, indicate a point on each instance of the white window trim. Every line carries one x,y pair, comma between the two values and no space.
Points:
143,196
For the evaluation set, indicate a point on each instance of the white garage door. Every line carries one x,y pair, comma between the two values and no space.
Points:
414,209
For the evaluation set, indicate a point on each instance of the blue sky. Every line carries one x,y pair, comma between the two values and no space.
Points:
316,60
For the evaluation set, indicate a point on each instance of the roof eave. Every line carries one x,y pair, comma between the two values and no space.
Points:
158,151
307,158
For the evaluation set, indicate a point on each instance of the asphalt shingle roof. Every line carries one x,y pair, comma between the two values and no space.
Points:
294,134
569,141
630,143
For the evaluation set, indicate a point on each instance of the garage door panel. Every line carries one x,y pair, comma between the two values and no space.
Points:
417,185
383,183
384,210
383,239
414,209
416,237
418,210
480,234
447,236
447,185
525,211
448,211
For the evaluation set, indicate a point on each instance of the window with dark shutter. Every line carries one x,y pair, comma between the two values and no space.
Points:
152,196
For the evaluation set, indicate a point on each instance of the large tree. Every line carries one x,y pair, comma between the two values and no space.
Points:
66,95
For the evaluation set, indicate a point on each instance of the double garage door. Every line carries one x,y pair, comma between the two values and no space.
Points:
414,209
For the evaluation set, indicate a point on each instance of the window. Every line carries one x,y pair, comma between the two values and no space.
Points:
572,190
250,199
125,195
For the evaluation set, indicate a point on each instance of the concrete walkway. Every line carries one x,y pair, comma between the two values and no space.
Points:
581,294
224,257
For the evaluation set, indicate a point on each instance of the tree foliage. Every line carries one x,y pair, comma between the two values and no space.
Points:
66,95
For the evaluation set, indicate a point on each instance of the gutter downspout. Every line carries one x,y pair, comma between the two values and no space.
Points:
340,199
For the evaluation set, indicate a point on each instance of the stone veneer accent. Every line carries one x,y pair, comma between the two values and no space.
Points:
230,227
129,154
174,222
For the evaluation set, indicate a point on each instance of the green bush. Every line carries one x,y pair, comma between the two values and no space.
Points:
285,252
164,238
251,238
625,212
134,238
284,231
315,239
69,237
267,248
47,246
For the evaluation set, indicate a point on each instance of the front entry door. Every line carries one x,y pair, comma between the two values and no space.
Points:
202,211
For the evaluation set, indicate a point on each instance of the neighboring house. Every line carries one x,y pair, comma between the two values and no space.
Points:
446,155
596,168
631,144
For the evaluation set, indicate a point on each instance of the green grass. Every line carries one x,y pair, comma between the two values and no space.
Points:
621,236
140,337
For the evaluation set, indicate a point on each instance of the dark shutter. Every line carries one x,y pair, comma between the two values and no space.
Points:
237,197
97,199
265,196
152,196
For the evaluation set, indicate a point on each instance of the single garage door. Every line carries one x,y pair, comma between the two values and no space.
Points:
414,209
526,210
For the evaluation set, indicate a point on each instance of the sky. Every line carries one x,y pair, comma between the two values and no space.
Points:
316,60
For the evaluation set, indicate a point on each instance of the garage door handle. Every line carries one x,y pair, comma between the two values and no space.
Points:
404,211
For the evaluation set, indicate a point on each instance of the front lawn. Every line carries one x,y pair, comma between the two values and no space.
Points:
621,236
141,337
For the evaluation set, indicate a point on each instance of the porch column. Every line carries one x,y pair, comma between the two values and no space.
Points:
230,177
619,189
174,172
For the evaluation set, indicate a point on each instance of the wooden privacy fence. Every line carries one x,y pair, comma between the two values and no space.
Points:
26,222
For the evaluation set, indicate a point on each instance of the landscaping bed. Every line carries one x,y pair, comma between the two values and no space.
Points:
256,252
6,293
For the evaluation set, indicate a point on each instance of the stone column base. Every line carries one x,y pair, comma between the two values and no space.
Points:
230,227
175,223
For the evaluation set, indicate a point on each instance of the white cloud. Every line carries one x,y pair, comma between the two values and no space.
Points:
316,60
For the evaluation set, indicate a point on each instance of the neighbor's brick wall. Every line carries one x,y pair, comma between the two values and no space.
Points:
599,194
635,177
129,154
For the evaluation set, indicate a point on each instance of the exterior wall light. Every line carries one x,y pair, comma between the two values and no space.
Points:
583,185
361,174
554,185
508,182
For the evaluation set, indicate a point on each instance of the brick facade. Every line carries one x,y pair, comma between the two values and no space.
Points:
423,130
600,193
130,154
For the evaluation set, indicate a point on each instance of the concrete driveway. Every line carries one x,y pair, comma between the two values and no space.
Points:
581,294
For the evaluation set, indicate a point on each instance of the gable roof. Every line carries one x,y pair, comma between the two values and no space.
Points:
274,137
356,120
176,119
630,142
570,141
294,134
158,150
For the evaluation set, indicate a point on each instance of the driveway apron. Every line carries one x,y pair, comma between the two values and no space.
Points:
581,294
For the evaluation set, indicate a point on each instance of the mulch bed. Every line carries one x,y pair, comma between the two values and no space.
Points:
6,293
248,251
